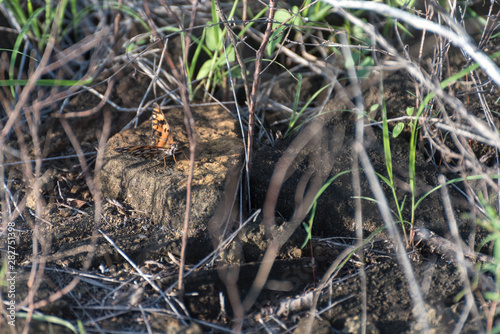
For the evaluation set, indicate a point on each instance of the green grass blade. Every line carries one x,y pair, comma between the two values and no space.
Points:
460,179
296,101
129,11
386,141
18,42
414,127
308,227
326,185
47,82
16,9
50,319
293,120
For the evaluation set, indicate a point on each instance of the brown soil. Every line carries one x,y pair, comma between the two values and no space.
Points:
149,241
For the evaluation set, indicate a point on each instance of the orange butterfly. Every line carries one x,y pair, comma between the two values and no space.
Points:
162,144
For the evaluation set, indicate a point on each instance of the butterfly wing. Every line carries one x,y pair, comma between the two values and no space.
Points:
162,145
161,129
148,152
144,152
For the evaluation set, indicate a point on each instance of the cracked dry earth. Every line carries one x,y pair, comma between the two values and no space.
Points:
147,224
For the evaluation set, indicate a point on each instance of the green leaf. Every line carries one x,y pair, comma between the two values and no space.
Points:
365,68
280,17
321,10
297,19
204,70
231,56
410,111
213,37
398,129
492,295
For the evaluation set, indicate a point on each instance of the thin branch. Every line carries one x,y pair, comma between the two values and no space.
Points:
191,133
256,81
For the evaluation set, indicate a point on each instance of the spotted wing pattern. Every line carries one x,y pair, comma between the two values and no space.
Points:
162,144
148,152
161,129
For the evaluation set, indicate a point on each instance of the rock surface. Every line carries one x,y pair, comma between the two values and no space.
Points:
160,188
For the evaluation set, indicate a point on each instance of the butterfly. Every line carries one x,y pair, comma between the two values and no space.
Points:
162,144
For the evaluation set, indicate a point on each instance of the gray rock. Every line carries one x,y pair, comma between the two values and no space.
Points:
159,187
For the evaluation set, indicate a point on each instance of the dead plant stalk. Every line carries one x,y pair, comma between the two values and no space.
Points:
256,81
191,132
